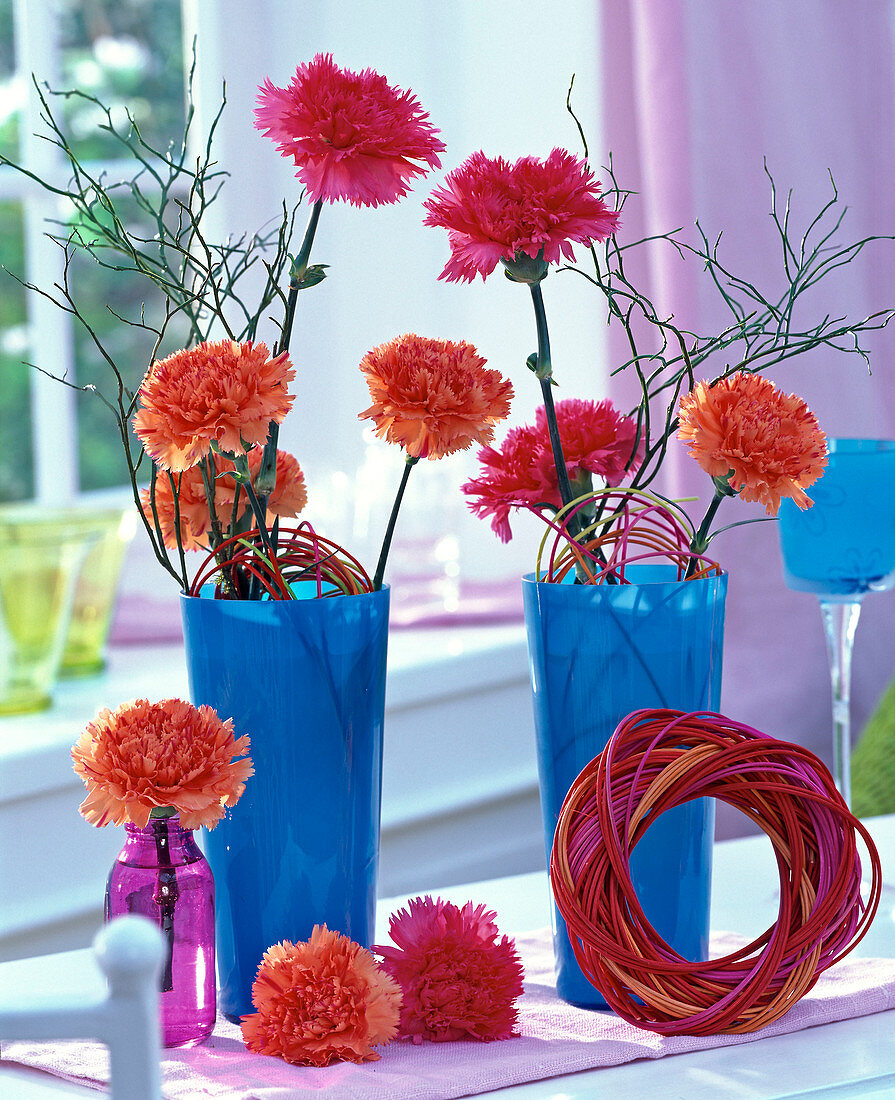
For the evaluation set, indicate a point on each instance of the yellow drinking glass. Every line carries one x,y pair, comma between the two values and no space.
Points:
40,557
94,599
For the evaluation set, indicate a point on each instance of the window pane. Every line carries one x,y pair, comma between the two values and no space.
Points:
16,467
128,54
99,291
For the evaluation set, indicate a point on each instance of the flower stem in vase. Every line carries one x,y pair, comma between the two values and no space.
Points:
165,897
544,372
299,279
409,463
701,538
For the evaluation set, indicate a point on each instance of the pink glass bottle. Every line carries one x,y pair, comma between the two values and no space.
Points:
161,874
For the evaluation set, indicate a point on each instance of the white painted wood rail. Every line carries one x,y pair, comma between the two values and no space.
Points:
129,952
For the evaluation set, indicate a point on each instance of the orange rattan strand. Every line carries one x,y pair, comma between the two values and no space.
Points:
658,759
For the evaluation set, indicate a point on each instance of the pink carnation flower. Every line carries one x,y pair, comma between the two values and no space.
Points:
353,136
596,439
494,210
512,477
457,979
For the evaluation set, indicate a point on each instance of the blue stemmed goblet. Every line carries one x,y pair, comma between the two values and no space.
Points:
840,549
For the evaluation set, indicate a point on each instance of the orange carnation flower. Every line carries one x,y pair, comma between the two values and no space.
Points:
289,495
288,498
323,1001
433,397
146,755
224,393
192,503
768,444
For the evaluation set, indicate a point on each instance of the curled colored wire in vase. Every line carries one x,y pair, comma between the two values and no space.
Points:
618,528
658,759
300,555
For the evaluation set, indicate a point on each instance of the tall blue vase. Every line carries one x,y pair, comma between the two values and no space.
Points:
305,679
597,653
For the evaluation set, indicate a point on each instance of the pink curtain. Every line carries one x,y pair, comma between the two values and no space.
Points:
697,95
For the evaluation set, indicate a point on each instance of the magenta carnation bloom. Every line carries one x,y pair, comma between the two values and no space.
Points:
458,980
512,477
596,440
494,210
352,135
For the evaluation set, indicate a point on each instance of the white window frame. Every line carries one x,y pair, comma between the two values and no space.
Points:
54,422
51,343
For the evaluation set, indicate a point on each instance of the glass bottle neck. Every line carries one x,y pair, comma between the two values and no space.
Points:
163,840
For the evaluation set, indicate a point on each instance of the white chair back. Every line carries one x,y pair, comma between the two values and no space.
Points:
129,951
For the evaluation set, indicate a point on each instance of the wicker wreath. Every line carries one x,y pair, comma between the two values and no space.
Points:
658,759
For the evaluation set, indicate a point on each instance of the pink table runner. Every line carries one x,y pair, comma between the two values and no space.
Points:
556,1039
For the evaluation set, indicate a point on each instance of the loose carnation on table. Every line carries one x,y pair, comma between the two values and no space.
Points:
322,1001
458,979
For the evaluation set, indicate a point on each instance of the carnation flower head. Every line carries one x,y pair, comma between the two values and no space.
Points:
595,437
224,393
495,210
352,135
145,755
433,397
322,1001
458,979
512,477
287,500
767,443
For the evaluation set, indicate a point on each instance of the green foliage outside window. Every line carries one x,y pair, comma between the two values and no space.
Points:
127,53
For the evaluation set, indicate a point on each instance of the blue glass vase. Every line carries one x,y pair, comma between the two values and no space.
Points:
305,679
597,653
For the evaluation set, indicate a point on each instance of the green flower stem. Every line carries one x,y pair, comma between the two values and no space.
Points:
159,547
175,494
300,267
254,501
267,471
244,478
409,463
699,543
544,373
165,896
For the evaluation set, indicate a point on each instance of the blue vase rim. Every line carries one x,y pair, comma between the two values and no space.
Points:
210,599
858,445
671,582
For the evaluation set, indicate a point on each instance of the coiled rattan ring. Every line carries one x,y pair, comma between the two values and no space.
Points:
658,759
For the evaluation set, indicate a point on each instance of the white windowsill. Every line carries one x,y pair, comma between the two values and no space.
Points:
459,790
425,666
